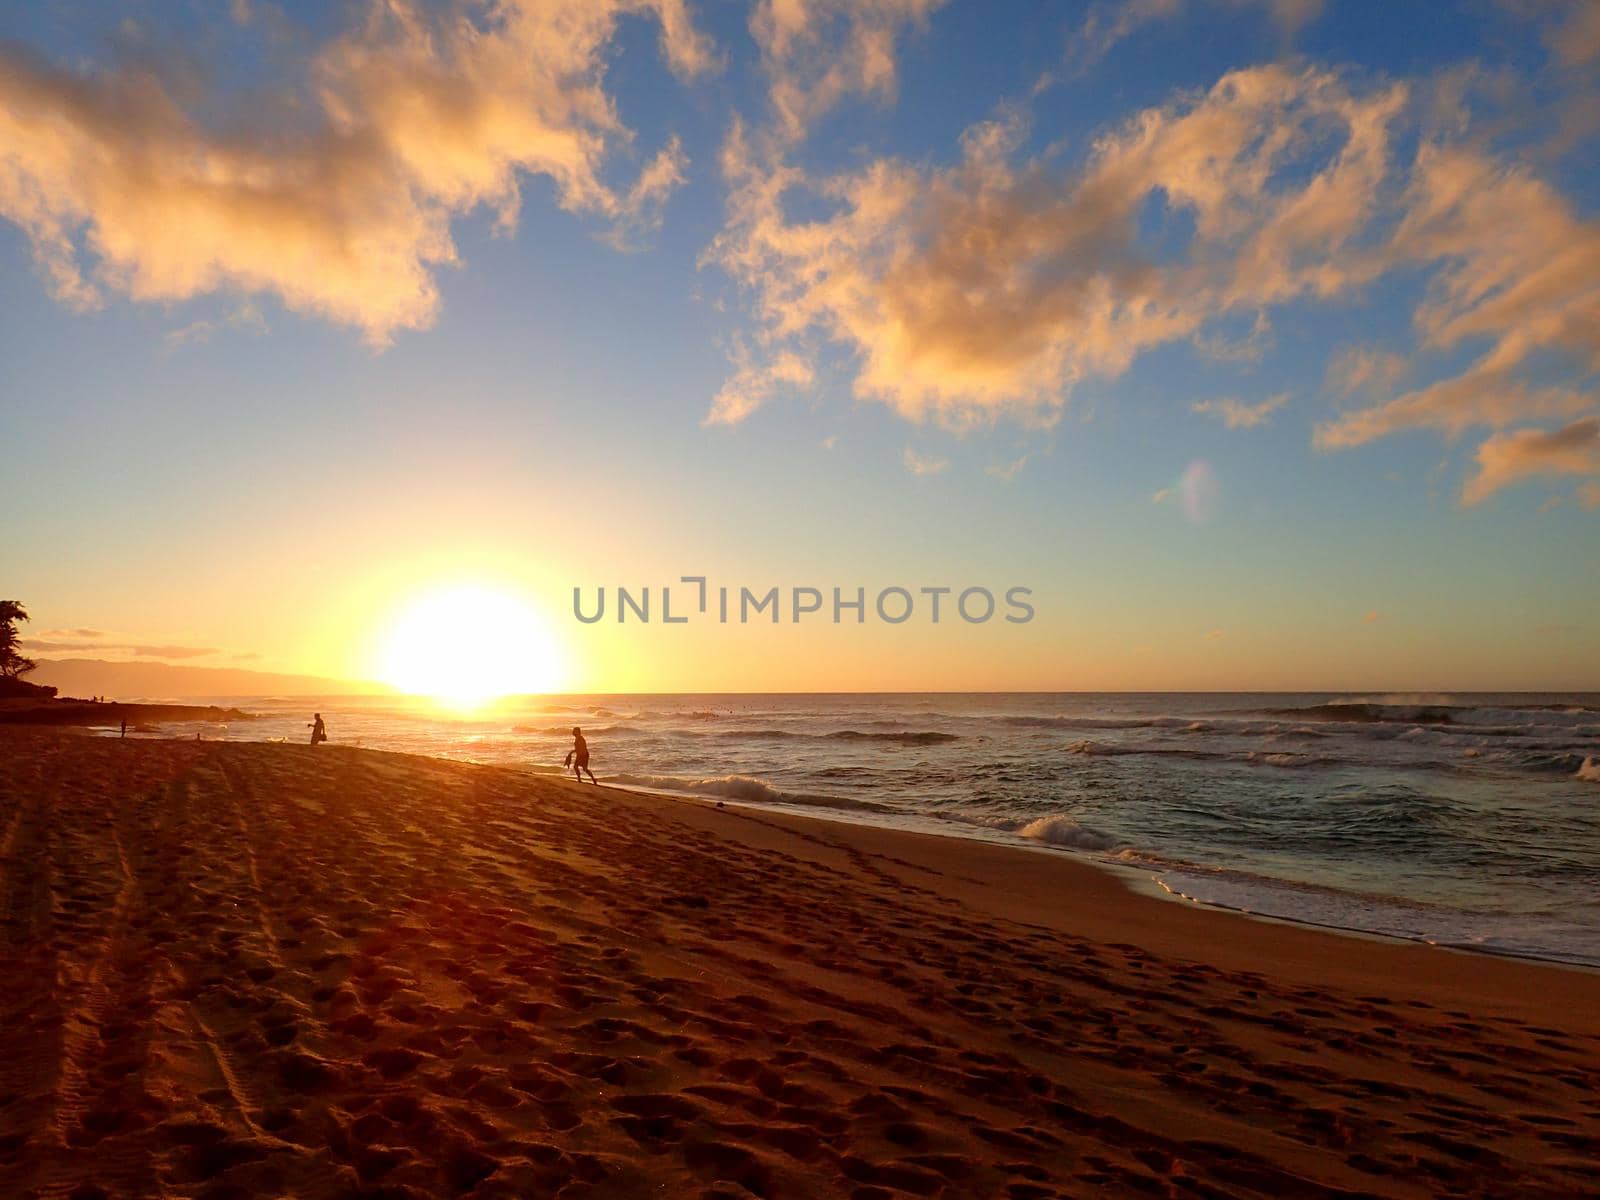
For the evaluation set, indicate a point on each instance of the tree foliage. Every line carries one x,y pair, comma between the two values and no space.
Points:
13,664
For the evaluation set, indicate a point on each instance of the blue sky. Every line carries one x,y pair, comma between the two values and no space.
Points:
938,359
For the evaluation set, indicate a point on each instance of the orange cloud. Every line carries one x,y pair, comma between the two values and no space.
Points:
1108,23
1509,458
1236,414
1369,371
1518,270
753,382
1576,42
924,464
816,52
990,288
413,119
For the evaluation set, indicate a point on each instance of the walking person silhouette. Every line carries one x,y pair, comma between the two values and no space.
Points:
578,757
319,732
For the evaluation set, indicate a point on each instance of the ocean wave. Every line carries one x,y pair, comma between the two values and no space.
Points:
1094,749
1370,713
738,787
1270,758
1058,829
1212,727
1544,761
1065,722
577,708
1543,937
1064,831
921,737
1151,860
1275,758
1098,749
566,730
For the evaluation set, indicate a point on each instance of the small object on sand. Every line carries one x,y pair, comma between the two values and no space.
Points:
719,803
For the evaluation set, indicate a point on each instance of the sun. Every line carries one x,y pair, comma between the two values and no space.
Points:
466,645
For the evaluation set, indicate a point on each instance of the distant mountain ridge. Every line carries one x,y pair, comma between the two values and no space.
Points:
163,681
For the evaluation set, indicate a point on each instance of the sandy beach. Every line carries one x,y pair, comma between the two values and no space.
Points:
274,970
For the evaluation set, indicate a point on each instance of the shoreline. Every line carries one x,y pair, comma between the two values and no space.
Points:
1138,884
254,968
1144,880
846,810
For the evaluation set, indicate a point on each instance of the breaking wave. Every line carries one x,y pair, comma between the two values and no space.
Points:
1365,713
924,737
1057,829
920,737
745,788
1269,758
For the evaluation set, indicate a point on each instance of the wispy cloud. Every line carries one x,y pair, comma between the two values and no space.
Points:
408,121
244,316
817,52
923,464
1516,269
1110,22
1576,41
754,381
1107,24
1006,472
1236,414
1367,371
1508,458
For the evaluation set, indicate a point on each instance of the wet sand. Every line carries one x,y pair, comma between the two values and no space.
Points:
241,969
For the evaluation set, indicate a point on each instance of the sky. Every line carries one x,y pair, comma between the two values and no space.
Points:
1259,339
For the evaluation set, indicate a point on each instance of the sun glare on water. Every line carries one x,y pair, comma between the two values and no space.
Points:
467,646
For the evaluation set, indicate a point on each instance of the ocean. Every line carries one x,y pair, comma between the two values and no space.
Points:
1465,820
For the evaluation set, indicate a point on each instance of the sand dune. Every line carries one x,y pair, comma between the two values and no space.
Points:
240,970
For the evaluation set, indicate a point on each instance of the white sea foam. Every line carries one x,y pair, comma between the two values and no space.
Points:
1064,831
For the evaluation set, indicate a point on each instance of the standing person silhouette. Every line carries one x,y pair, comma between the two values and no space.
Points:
319,732
578,757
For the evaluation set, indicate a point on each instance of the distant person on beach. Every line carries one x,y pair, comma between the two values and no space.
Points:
319,732
578,757
124,732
